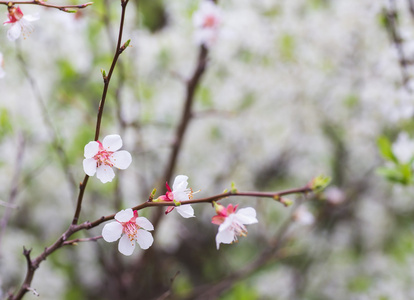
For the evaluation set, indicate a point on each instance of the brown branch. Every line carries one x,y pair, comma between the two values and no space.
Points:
191,86
106,79
65,8
272,253
34,264
277,196
75,241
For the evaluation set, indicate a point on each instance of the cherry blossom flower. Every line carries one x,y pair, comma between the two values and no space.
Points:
2,73
20,24
130,228
232,222
179,193
101,157
207,21
403,148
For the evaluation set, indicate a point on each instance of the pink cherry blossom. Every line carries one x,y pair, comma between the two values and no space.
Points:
130,228
20,24
2,73
207,22
232,222
101,157
179,193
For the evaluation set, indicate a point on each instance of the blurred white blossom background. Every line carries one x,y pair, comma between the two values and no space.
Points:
293,89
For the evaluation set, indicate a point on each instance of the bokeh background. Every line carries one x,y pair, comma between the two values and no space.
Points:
293,89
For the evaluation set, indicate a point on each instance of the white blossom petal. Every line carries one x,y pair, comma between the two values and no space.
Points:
144,239
112,142
89,166
186,211
91,149
181,196
112,231
227,223
124,215
144,223
105,173
225,237
180,183
14,31
246,215
121,159
126,246
31,18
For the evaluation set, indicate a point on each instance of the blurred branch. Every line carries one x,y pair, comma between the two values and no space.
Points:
272,253
392,28
9,205
32,265
65,8
57,145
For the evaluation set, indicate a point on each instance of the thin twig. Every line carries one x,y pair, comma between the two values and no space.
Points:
392,28
32,265
65,8
75,241
106,79
14,186
57,145
277,196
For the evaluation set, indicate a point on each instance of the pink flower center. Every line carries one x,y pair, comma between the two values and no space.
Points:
15,14
210,21
131,227
103,156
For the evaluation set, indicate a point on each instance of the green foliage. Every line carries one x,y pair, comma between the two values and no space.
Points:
385,148
351,101
401,246
181,285
153,14
360,284
319,183
204,94
400,173
287,47
240,291
6,126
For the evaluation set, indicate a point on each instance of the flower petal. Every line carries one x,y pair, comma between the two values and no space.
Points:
227,223
180,196
144,223
112,142
14,31
180,183
91,149
89,166
105,173
121,159
186,211
144,239
247,215
112,231
126,246
31,18
124,215
225,237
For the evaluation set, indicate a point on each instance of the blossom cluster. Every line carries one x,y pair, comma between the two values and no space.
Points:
128,227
